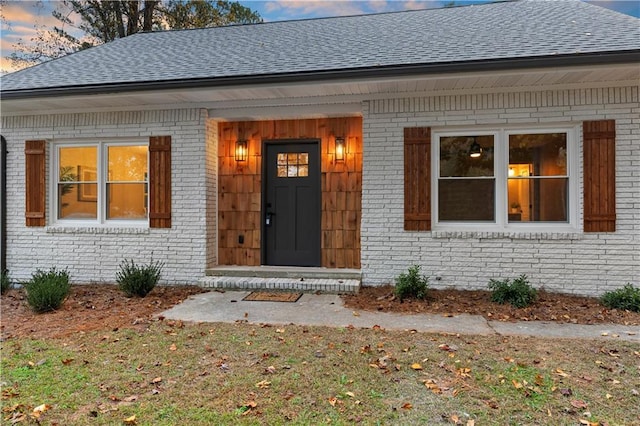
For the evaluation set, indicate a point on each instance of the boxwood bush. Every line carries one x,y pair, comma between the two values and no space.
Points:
46,290
411,284
626,298
519,293
138,280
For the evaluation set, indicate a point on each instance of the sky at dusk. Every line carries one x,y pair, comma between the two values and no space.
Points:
22,17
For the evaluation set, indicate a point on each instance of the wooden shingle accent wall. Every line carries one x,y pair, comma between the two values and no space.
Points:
239,189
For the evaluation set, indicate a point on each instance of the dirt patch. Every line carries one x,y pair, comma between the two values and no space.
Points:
88,307
562,308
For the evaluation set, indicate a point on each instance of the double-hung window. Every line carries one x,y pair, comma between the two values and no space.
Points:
505,178
101,182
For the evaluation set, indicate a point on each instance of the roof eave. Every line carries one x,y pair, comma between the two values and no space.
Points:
403,70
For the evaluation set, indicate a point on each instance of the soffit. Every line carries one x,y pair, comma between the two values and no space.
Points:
228,103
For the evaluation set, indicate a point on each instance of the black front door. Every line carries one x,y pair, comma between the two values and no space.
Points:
291,203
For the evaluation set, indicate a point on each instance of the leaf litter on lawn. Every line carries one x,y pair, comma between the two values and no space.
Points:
364,374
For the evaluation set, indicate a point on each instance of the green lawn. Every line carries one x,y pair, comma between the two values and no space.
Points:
176,373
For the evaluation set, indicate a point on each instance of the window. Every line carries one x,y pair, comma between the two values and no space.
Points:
504,178
293,164
103,181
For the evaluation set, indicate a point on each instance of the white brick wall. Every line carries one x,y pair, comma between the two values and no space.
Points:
573,263
93,254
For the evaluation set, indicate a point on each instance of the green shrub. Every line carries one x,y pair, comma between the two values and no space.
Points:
136,280
518,292
47,290
412,284
5,284
626,298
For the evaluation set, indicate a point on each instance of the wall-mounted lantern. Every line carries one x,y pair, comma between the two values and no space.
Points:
242,151
340,148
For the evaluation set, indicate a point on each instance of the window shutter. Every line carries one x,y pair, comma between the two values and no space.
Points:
599,175
160,182
417,179
35,170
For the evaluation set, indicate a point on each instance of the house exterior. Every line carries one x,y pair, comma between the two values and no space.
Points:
479,142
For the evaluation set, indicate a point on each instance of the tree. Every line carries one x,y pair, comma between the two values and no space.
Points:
87,23
203,14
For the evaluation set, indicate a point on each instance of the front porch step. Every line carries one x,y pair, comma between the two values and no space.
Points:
305,285
304,279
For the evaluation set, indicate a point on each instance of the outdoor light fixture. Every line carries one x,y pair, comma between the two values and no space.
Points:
476,150
241,150
340,149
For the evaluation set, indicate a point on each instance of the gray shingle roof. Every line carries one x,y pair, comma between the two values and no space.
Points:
507,30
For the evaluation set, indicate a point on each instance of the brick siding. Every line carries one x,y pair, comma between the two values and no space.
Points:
580,263
91,253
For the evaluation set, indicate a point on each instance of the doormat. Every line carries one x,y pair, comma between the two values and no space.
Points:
272,296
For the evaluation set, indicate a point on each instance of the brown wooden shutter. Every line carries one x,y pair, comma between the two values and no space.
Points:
599,175
417,179
35,183
160,182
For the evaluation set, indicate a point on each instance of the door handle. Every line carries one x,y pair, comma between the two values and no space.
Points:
268,219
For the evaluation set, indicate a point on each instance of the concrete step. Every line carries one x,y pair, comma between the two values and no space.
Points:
284,272
305,279
307,285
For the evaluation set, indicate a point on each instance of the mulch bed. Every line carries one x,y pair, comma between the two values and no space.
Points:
561,308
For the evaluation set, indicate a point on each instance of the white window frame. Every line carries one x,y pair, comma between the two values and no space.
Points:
501,172
102,146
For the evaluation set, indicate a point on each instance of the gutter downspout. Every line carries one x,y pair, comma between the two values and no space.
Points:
3,204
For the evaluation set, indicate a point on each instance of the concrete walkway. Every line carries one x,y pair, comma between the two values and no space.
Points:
328,310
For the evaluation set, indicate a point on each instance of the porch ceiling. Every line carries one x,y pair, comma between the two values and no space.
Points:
245,102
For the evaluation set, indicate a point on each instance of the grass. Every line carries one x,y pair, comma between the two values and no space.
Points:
174,373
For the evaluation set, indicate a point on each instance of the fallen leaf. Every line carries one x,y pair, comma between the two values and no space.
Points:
156,380
416,366
356,314
433,386
463,372
561,373
130,420
407,406
577,403
40,409
351,394
67,361
471,422
173,347
264,384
